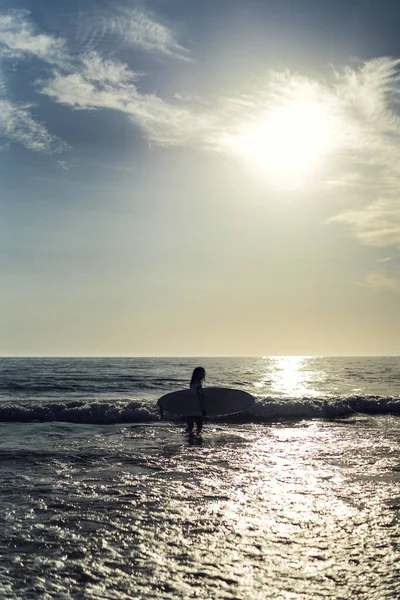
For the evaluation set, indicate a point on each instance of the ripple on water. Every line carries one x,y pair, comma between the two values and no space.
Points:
251,512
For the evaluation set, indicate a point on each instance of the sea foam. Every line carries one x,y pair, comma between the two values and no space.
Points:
133,411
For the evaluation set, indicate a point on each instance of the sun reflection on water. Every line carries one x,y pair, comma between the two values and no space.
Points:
290,375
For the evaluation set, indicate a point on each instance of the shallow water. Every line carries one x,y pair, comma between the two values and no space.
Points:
248,511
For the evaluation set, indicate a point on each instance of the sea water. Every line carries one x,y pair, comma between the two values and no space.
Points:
296,498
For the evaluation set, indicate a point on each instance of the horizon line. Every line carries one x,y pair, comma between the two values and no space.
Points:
201,356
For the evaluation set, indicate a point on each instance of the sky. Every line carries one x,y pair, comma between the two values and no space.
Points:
199,178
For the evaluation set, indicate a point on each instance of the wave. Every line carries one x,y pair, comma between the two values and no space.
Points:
133,411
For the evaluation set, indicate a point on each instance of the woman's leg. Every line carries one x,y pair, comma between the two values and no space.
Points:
190,424
199,424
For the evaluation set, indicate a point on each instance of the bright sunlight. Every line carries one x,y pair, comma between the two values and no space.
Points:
288,140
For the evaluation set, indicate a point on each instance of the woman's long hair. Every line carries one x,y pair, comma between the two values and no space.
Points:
198,375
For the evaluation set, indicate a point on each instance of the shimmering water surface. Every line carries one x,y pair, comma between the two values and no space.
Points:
265,507
276,377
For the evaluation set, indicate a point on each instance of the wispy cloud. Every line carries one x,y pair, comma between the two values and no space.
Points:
135,27
379,281
369,173
64,165
386,259
4,146
91,81
3,85
375,224
130,26
361,175
141,29
357,109
98,83
17,125
19,38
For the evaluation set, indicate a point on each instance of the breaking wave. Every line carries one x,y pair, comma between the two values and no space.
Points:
133,411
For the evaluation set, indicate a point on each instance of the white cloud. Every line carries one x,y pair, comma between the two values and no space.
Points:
107,72
3,86
141,29
362,170
134,27
363,128
379,281
386,259
108,84
370,181
17,125
375,224
93,82
64,165
18,38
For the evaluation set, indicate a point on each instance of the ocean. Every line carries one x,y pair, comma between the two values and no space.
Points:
296,498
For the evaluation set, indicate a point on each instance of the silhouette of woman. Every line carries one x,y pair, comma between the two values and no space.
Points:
198,377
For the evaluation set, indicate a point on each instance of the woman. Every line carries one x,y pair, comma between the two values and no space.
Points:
198,377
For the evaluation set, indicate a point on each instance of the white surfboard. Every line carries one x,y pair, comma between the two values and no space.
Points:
216,401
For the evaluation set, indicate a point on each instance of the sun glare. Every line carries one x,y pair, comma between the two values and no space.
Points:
288,140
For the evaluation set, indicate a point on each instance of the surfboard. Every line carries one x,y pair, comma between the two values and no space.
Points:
216,401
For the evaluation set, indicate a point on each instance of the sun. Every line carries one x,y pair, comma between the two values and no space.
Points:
287,140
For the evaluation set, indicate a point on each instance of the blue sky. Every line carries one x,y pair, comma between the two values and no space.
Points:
184,178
